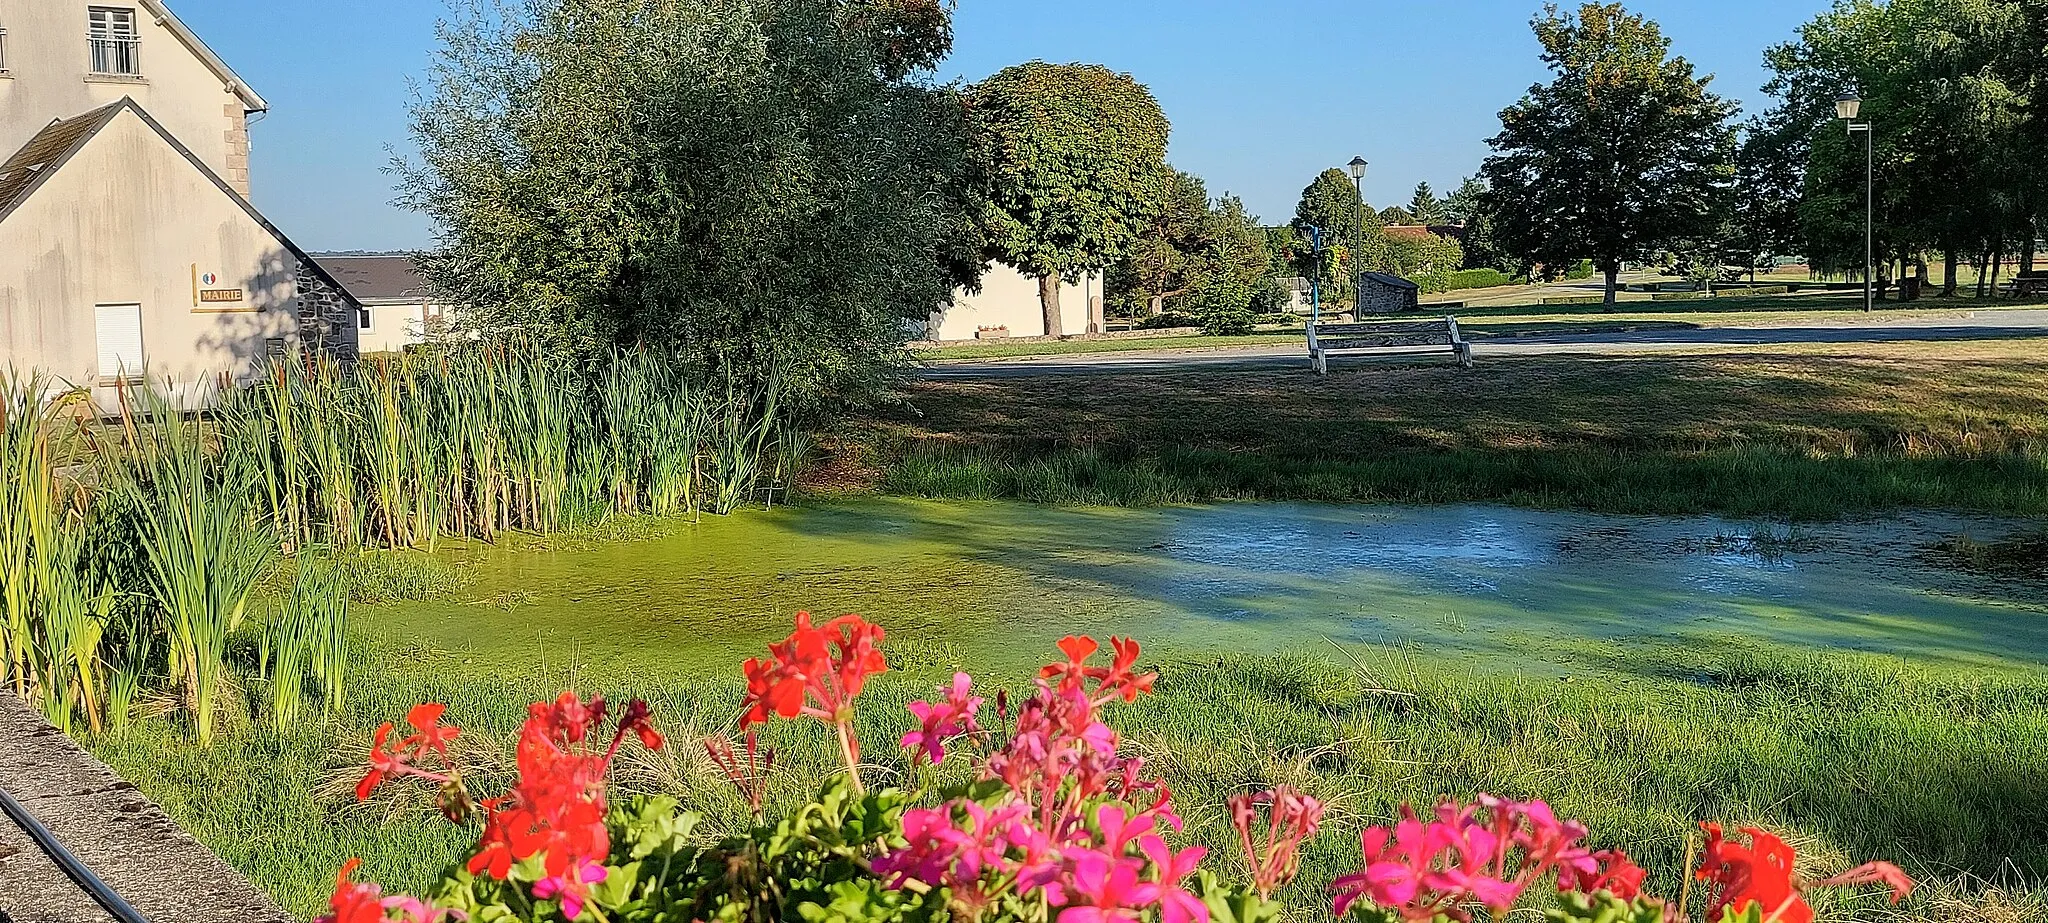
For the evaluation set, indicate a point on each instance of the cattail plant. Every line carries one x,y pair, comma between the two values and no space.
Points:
307,640
199,534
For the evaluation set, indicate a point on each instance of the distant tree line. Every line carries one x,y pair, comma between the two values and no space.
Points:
1626,153
780,190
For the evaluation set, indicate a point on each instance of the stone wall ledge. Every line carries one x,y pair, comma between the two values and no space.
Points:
112,828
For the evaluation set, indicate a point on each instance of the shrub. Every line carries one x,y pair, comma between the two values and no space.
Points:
1054,824
1582,271
1478,278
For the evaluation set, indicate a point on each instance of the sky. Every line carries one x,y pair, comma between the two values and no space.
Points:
1263,94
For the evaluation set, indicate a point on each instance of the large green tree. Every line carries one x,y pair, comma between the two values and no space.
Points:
1425,208
1622,153
764,187
1351,233
1466,207
1163,262
1077,164
1945,85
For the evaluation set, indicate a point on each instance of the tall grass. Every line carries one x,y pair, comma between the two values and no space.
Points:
404,451
151,574
308,640
204,557
55,615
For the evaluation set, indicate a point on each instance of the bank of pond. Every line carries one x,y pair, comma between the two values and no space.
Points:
1870,687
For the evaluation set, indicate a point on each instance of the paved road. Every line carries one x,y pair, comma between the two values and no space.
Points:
1984,325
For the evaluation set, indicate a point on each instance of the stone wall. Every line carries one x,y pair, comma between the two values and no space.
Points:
327,316
237,139
116,831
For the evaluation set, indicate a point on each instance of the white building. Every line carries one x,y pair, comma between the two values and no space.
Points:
126,233
1008,306
398,309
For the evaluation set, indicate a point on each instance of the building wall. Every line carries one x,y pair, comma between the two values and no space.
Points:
393,327
1009,298
48,78
130,221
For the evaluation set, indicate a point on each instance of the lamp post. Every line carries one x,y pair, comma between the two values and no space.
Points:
1849,107
1358,166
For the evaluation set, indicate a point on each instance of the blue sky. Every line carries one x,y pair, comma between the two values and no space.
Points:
1262,93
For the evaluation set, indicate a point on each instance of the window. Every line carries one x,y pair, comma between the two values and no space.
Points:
363,318
116,45
3,51
120,340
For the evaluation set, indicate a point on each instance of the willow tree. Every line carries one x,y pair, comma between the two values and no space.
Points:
1076,159
769,188
1622,153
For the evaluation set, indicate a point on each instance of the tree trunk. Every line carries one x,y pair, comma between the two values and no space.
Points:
1613,282
1158,305
1948,272
1983,272
1049,299
2027,250
1098,319
1997,264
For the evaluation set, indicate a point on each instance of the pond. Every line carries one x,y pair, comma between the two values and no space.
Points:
994,584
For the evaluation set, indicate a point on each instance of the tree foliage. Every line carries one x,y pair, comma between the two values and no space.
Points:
1947,85
760,186
1425,208
1351,233
1624,151
1077,167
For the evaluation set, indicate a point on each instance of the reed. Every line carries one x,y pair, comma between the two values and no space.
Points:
204,556
474,441
308,640
151,576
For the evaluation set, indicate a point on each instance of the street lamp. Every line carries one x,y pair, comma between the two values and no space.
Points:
1849,107
1358,166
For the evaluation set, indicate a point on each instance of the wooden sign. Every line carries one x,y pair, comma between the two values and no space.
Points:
220,296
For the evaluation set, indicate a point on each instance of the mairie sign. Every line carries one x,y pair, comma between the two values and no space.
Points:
207,290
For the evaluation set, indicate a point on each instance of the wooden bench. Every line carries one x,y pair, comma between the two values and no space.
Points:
1324,339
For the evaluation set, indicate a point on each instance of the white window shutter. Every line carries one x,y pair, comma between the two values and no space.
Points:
120,341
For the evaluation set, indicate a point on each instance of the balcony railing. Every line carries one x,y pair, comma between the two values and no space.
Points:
116,56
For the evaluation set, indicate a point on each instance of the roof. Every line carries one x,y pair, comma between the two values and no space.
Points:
45,154
250,100
384,278
1393,281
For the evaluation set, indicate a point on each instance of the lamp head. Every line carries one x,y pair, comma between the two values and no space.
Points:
1358,166
1849,106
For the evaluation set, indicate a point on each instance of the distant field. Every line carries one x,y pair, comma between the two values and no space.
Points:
1525,319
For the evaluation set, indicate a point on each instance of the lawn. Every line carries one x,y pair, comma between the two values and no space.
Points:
1852,756
1790,431
1528,319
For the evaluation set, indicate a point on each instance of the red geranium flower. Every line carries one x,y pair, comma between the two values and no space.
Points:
815,672
1760,873
1612,872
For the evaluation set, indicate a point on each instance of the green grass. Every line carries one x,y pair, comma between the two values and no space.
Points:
997,349
1853,756
1810,432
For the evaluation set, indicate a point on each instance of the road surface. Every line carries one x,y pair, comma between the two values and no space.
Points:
1986,325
